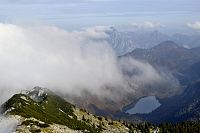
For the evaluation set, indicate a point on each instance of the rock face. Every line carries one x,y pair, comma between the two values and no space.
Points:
37,94
40,110
120,42
124,42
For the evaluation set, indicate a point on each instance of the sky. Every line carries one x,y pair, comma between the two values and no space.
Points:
127,14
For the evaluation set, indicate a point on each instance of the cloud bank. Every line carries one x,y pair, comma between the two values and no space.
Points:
54,58
146,25
68,62
195,25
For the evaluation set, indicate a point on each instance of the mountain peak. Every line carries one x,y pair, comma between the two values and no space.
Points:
37,94
167,45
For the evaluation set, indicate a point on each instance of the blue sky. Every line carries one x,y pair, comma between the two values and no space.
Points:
74,14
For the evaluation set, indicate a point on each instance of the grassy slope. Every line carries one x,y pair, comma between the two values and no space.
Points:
52,109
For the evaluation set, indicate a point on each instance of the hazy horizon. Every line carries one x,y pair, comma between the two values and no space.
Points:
169,16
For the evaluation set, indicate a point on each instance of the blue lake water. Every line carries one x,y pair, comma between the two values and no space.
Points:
145,105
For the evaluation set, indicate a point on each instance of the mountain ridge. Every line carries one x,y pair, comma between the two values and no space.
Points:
53,111
127,41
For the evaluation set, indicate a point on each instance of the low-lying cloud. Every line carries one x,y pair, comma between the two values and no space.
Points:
7,125
54,58
146,80
146,25
69,62
195,25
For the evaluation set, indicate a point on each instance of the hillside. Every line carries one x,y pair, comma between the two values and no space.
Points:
190,74
40,110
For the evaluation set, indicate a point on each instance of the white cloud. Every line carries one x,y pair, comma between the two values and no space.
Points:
195,25
142,76
146,24
54,58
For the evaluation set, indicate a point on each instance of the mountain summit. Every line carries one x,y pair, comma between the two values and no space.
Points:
38,94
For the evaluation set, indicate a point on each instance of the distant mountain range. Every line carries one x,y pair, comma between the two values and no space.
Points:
184,64
124,42
170,56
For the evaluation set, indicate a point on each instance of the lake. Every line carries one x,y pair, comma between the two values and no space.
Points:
145,105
